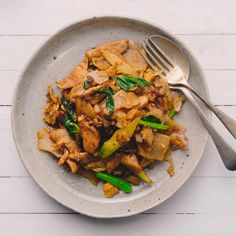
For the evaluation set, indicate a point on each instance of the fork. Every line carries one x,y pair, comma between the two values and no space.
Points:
157,59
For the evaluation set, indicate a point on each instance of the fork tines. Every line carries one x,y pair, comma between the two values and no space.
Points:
155,57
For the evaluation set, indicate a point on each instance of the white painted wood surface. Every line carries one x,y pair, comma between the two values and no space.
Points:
205,205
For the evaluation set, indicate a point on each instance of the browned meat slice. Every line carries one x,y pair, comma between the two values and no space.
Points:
178,140
51,110
73,166
171,168
177,100
87,109
63,158
121,172
90,135
60,144
124,99
63,139
110,190
151,92
111,71
167,94
88,174
101,63
97,166
55,147
120,118
46,144
97,77
91,90
78,157
96,99
87,160
158,113
113,163
131,162
76,76
149,75
123,137
134,58
75,92
98,59
120,66
133,179
114,47
158,150
143,101
146,162
133,113
147,135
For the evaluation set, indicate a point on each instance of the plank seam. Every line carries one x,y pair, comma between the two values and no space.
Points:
194,177
204,69
143,213
177,34
217,105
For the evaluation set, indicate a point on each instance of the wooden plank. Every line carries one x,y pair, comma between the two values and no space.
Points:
197,196
221,84
10,163
212,51
210,166
205,204
16,50
8,80
148,225
22,194
182,16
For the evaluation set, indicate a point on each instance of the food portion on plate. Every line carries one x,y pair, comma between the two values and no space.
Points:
113,119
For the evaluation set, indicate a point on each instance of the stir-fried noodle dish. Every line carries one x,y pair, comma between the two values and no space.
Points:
113,119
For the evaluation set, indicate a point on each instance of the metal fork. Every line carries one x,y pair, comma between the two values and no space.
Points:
177,79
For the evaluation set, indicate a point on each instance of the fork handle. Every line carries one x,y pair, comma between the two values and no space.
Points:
227,153
227,121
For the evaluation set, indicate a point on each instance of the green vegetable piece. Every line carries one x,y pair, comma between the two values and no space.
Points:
142,175
69,109
86,84
172,113
71,127
153,125
124,85
118,182
128,82
111,145
110,101
152,119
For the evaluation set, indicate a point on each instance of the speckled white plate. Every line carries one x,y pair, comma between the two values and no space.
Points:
53,61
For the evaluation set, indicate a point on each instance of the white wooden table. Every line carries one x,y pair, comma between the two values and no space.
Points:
206,204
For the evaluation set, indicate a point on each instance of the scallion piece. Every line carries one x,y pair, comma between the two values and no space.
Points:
110,101
172,113
86,84
154,125
69,109
142,175
118,182
71,127
127,82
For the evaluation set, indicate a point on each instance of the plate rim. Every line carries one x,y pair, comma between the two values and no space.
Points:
20,78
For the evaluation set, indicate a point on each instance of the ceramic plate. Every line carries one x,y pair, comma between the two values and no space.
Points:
53,61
